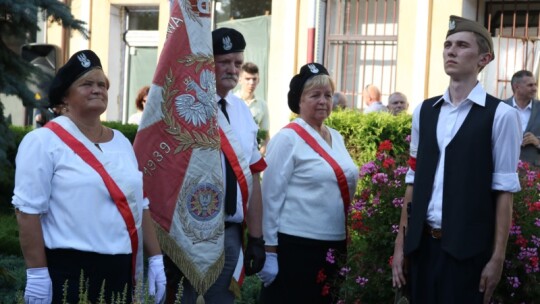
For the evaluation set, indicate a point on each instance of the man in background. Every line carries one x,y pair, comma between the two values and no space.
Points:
372,98
339,101
249,79
524,100
397,103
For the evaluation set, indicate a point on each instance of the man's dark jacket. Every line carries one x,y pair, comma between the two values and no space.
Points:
468,215
530,153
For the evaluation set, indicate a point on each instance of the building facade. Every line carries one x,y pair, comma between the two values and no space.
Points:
394,46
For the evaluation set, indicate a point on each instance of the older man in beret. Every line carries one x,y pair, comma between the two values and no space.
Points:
241,163
463,161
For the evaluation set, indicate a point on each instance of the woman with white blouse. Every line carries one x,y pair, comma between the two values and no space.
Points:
79,198
307,187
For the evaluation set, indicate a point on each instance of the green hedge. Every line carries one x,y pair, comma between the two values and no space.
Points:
364,132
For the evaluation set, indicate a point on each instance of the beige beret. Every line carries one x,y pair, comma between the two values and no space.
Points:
459,24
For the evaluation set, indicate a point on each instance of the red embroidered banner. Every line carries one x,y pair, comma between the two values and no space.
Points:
178,147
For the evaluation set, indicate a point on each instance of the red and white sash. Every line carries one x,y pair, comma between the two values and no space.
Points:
340,175
116,193
231,148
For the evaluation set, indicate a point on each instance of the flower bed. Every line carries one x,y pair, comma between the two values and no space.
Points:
374,218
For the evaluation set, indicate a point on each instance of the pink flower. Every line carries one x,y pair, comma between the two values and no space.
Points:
379,178
401,171
368,168
515,230
330,256
398,202
344,271
361,281
513,281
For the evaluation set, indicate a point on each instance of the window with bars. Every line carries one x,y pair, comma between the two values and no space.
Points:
515,27
361,46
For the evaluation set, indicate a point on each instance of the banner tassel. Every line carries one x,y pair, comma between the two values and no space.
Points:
200,299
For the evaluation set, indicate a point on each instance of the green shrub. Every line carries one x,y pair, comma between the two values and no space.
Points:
129,130
9,235
12,277
364,132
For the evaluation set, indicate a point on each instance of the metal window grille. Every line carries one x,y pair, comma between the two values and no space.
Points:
515,26
361,46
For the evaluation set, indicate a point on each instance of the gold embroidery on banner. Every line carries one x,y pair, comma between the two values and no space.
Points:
186,139
200,59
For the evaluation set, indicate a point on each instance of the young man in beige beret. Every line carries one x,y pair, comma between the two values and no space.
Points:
463,160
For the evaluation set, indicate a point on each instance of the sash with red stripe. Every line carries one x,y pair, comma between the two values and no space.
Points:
340,175
116,193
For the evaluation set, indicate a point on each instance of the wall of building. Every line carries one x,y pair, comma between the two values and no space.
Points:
282,62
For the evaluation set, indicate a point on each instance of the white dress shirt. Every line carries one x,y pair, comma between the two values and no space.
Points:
245,130
505,141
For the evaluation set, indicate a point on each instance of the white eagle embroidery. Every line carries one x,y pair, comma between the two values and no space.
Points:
198,110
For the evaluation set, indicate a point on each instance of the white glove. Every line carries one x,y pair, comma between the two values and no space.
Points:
156,278
38,286
270,269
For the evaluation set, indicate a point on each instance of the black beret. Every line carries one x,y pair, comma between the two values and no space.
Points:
460,24
227,40
296,87
80,63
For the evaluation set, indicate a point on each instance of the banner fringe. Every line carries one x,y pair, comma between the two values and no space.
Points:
200,282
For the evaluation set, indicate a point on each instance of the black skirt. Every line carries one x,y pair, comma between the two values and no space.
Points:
304,275
102,275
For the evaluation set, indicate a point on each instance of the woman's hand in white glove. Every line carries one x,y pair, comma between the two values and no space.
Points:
156,278
38,286
270,269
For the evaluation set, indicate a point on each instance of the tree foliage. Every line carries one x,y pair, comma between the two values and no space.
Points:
19,19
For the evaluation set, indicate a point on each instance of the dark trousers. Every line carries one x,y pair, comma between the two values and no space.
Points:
110,273
437,278
299,261
219,292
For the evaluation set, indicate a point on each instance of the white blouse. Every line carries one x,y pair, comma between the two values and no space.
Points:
76,209
301,196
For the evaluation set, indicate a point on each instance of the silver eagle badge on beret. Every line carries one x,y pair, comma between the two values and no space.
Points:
227,44
84,61
452,25
313,68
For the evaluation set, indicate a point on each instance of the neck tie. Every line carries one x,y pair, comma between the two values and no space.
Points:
230,177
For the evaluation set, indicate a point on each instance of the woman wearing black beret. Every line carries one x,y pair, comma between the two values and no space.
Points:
307,187
79,204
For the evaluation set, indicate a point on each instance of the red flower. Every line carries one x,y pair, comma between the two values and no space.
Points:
534,206
390,260
521,241
321,277
388,162
534,261
325,290
385,145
